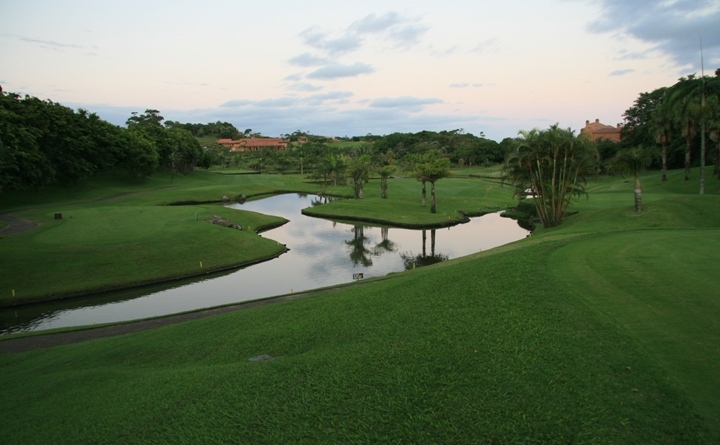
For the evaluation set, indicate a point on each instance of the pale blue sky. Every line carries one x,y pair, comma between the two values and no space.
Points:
349,68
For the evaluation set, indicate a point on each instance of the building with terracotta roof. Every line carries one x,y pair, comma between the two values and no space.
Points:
254,144
597,131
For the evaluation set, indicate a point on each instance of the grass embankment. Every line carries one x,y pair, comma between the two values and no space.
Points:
132,239
603,330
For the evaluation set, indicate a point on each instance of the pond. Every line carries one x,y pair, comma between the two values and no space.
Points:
322,253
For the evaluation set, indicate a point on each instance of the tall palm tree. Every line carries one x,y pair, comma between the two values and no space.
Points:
661,125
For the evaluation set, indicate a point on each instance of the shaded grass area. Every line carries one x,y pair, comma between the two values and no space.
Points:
485,350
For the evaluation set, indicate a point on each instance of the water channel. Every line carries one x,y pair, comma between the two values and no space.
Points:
322,253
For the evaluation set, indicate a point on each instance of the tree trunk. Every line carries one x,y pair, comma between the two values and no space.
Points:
638,195
424,237
702,143
432,242
664,159
358,188
423,193
688,139
432,197
383,188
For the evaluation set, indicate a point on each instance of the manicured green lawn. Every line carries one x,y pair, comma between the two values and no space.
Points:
603,330
403,205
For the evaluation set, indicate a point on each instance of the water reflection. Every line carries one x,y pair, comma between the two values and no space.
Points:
411,261
322,253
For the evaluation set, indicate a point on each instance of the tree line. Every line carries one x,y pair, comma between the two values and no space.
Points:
43,142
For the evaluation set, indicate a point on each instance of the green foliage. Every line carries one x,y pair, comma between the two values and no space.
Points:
552,165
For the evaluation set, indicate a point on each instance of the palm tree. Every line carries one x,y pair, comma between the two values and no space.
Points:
685,98
385,173
359,170
633,161
431,168
552,164
661,125
690,96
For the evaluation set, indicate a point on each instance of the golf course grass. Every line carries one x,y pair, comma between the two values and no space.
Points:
604,330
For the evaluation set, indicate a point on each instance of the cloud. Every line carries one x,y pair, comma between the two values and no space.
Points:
294,77
338,71
279,102
357,121
236,103
302,86
307,59
333,46
466,85
51,43
621,72
398,30
674,28
408,36
59,46
489,45
408,103
318,99
372,24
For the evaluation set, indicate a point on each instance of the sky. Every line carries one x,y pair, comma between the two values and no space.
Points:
340,68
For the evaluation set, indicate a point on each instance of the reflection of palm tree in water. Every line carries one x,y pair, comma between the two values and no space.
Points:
359,254
319,200
410,260
385,245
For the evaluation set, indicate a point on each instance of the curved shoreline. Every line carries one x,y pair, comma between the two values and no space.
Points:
48,340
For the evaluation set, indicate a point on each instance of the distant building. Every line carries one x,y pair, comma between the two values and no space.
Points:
254,144
597,131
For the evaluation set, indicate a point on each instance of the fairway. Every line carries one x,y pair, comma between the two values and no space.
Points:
662,288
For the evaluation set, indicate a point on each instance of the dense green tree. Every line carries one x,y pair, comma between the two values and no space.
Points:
552,164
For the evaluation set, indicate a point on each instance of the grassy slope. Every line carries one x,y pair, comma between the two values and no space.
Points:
134,239
520,344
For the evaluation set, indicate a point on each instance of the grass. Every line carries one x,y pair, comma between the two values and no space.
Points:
134,239
403,206
603,330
